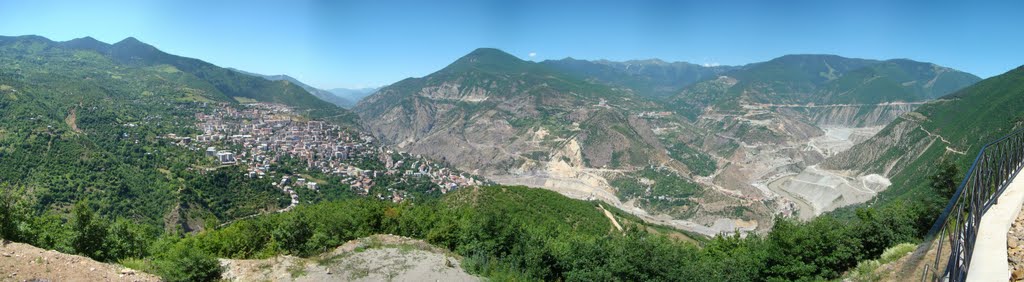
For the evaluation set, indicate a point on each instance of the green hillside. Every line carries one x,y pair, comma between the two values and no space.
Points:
646,78
822,79
78,126
133,52
518,233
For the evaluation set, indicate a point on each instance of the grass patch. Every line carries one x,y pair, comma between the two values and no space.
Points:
328,260
865,270
298,269
136,264
245,100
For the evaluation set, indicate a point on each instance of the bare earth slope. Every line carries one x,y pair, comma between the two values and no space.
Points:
23,262
521,123
703,160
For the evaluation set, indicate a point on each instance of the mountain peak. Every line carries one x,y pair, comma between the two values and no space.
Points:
489,55
133,49
487,59
87,43
130,41
488,52
85,39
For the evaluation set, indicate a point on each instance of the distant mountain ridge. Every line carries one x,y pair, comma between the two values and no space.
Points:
822,79
353,94
648,78
319,93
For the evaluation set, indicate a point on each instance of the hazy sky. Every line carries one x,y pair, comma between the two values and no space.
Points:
370,43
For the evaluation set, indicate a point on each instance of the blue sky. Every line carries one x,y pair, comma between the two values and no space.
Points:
370,43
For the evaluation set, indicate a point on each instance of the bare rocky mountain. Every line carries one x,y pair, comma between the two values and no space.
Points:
769,124
726,152
519,122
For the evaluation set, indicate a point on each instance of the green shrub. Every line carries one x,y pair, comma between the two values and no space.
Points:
185,261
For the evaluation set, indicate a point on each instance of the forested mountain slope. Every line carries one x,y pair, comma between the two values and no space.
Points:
822,79
78,124
651,78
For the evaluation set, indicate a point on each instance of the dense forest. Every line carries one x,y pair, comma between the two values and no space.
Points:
502,232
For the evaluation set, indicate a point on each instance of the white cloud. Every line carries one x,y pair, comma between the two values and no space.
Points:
533,54
711,64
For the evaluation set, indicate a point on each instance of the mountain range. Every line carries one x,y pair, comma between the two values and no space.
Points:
598,129
831,160
645,78
352,95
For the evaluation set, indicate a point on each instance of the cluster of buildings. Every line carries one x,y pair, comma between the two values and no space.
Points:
286,186
417,166
261,136
653,114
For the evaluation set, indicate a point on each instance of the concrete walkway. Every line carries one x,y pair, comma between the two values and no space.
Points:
989,261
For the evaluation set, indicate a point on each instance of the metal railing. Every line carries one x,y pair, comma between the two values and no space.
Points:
993,169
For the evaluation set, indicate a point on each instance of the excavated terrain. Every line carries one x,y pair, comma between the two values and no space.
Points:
525,125
778,149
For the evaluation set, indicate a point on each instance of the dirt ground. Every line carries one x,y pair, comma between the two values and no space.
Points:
374,258
22,262
912,267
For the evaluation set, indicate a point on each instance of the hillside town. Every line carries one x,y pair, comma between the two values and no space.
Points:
261,136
